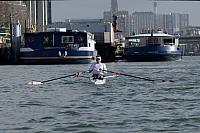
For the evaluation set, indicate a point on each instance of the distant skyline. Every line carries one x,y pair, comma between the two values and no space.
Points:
80,9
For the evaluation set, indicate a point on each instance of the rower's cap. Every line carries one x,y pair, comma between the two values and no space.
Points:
98,57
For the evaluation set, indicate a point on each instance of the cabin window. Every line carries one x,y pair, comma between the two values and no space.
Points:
152,40
133,42
67,39
169,41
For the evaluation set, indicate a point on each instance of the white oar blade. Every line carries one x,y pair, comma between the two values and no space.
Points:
35,83
112,76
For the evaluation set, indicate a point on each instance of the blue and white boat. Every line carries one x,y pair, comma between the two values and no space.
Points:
157,46
56,47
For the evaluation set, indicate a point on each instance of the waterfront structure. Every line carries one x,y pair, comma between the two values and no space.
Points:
10,43
5,40
190,40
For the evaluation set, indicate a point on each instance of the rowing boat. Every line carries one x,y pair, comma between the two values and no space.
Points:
101,81
98,81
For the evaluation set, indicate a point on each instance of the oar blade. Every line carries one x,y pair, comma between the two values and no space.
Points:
33,82
111,76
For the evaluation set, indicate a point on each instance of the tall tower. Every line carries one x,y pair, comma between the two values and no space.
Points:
49,18
43,14
31,15
114,7
113,12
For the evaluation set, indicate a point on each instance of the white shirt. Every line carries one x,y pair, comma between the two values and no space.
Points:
97,68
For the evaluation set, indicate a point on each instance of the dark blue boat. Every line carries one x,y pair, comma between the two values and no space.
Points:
70,47
152,47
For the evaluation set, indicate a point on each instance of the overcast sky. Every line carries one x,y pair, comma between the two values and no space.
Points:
75,9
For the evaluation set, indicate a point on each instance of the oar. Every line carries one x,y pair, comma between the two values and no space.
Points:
128,75
33,82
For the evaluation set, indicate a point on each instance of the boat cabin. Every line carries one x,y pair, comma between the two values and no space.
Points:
68,40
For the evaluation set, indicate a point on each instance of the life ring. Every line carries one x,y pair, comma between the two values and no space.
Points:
31,39
66,46
81,38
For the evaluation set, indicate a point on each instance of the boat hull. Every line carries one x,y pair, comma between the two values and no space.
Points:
48,61
152,53
70,47
151,57
73,57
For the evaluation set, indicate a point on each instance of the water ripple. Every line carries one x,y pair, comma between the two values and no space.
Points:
122,105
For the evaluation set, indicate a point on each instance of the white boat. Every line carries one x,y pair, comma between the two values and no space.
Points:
101,81
98,81
152,46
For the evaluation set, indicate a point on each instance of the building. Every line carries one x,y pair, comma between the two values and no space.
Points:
142,21
123,22
57,25
49,12
91,25
114,7
17,10
38,15
189,31
173,22
43,14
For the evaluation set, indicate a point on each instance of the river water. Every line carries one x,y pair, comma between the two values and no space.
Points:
122,105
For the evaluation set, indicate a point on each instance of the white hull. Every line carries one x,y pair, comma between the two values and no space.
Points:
98,81
102,81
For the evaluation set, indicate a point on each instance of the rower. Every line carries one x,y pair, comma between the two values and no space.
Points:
98,69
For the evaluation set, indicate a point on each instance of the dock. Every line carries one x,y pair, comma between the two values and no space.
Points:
5,56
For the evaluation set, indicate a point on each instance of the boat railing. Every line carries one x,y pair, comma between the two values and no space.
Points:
169,44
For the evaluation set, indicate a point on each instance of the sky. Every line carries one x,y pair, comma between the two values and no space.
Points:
91,9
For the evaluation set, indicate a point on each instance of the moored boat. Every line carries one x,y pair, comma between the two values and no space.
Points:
151,46
55,47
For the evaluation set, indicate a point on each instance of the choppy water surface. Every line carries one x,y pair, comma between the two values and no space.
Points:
122,105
